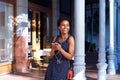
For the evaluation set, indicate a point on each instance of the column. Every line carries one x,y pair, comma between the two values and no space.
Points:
21,43
118,33
34,34
102,55
79,57
111,57
115,34
55,16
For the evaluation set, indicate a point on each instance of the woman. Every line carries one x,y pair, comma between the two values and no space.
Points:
62,52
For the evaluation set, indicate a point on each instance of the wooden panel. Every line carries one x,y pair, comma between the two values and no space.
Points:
37,7
5,67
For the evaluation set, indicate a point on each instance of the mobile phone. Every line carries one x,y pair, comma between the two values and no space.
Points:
52,43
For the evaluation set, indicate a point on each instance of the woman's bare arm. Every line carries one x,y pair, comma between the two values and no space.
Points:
71,48
52,52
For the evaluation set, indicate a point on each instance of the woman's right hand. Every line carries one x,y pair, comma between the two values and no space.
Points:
56,46
53,46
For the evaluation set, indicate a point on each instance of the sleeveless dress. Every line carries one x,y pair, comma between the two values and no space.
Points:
58,66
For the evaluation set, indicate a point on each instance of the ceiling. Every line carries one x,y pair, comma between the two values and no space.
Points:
45,3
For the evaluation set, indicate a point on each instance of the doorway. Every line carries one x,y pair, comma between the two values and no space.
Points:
37,31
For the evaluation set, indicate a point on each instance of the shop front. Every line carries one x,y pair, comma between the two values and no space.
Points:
22,25
6,36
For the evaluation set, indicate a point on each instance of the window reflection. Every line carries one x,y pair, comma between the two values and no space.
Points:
6,32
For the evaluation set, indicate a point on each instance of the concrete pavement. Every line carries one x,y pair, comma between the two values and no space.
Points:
35,74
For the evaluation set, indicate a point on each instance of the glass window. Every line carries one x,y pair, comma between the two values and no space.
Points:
6,32
29,26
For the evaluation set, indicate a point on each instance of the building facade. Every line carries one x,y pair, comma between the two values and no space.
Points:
27,26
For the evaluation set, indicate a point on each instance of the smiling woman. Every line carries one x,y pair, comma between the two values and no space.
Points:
62,51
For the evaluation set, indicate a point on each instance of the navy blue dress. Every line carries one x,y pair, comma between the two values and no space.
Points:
58,65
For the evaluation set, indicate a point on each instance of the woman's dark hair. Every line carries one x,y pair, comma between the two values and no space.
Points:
62,19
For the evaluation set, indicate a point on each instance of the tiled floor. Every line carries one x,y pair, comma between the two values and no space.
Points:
35,74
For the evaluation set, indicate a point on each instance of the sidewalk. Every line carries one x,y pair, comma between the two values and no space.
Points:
92,74
35,74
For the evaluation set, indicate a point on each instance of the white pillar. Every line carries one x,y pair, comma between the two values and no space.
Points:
102,55
111,57
79,57
21,43
22,17
55,16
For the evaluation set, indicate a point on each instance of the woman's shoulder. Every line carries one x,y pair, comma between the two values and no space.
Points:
71,38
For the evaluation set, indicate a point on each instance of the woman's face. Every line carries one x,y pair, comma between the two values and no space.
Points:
64,27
